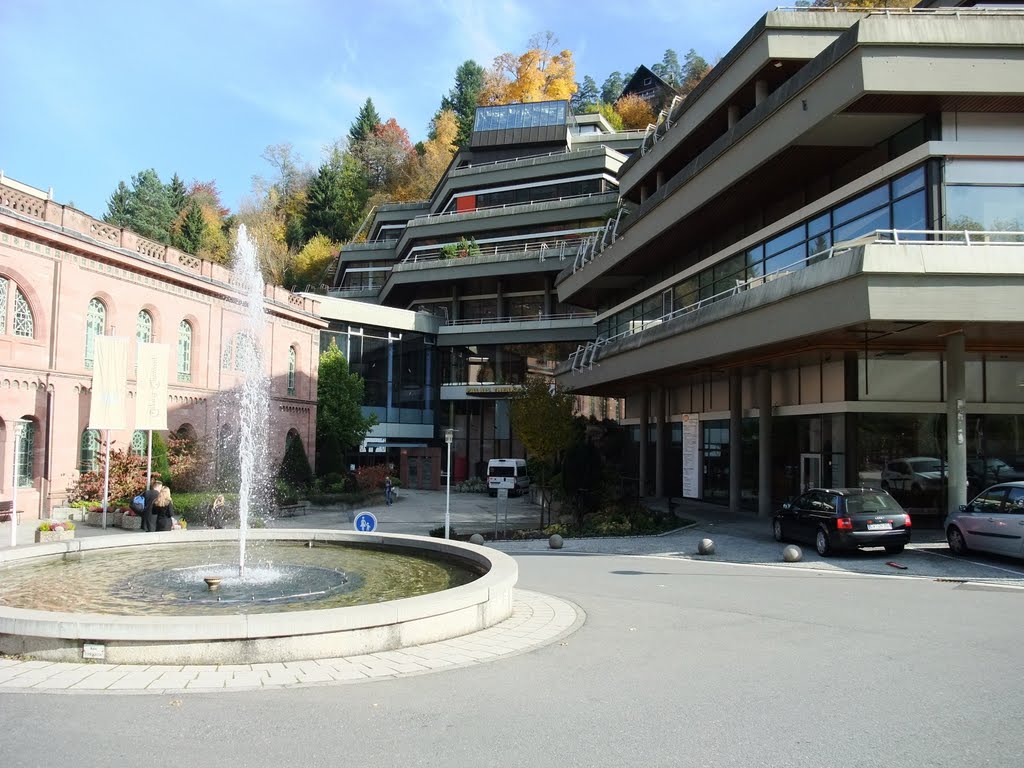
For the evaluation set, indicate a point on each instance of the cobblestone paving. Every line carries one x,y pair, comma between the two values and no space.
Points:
537,620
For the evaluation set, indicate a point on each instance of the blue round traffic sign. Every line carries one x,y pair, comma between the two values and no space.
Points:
365,522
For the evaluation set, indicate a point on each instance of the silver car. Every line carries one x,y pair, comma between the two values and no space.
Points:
992,522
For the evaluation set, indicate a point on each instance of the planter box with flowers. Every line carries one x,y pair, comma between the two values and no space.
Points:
48,531
130,521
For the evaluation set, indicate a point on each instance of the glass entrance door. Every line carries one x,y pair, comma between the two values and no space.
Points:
810,471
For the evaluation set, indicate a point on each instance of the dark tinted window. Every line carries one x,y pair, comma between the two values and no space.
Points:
991,501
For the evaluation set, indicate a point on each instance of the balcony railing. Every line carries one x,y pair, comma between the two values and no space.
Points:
539,316
560,249
433,218
594,245
586,354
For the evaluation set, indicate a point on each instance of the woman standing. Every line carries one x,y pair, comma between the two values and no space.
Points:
163,508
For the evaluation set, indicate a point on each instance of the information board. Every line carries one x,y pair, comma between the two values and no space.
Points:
691,456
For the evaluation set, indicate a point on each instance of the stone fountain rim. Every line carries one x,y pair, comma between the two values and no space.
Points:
500,577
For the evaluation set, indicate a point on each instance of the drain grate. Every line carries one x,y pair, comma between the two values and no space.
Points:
952,581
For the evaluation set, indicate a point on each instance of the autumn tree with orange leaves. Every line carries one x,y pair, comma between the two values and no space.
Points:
635,111
539,74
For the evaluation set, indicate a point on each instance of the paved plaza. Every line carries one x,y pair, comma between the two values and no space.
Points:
628,651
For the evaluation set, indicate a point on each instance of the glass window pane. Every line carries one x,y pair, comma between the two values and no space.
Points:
984,208
95,325
818,225
184,351
24,325
23,470
864,225
908,182
784,241
144,327
3,304
861,205
909,213
788,261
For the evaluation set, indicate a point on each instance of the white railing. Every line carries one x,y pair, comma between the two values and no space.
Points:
543,250
594,246
949,236
540,316
586,354
488,208
984,11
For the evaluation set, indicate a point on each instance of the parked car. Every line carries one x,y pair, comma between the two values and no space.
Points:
914,475
834,519
992,522
985,472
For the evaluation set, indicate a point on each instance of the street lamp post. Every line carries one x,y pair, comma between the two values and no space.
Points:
449,436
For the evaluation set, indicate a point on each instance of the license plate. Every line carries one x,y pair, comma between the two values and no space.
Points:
879,526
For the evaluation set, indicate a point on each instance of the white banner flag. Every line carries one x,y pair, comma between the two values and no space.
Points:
109,384
151,390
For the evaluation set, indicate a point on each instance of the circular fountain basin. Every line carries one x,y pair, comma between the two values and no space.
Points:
240,631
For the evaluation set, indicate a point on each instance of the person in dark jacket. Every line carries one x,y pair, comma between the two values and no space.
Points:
163,509
148,520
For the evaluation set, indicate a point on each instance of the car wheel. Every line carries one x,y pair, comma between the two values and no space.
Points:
955,539
777,530
822,544
894,549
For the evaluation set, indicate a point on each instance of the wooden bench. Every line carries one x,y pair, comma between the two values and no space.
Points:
5,511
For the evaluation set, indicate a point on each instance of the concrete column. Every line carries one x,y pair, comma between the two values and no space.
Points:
659,442
643,193
735,437
645,415
760,91
456,312
547,295
733,115
659,180
500,301
764,445
956,422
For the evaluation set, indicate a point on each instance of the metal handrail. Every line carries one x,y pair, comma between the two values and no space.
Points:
543,248
902,11
441,214
522,318
585,355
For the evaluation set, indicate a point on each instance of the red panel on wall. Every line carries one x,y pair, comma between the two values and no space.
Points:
467,203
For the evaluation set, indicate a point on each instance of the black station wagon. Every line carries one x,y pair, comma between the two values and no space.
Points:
844,518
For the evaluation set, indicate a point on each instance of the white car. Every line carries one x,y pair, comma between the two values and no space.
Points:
992,522
914,475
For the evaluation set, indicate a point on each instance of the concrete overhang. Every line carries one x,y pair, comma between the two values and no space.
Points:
832,304
361,313
517,332
779,36
585,160
449,227
893,58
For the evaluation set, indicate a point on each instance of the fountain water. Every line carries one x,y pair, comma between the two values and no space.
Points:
254,399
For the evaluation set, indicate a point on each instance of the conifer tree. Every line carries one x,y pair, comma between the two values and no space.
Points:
462,99
365,123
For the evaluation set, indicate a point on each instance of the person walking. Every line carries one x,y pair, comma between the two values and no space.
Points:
163,509
149,497
387,492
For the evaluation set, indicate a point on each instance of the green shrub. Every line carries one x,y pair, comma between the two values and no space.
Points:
295,470
438,533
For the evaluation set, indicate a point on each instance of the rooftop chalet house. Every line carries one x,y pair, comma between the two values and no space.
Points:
651,88
821,278
480,259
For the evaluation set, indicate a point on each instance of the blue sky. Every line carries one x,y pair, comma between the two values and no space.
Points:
96,91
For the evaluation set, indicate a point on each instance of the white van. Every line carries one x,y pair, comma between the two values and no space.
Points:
507,473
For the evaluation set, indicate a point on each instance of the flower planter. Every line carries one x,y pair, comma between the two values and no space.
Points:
131,522
46,536
118,516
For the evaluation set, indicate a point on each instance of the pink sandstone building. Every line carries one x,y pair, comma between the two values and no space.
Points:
66,278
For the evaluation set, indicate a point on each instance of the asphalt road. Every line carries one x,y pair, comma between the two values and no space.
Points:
679,663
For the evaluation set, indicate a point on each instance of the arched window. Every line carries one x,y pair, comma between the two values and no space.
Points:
139,442
90,449
184,351
95,325
25,436
144,327
291,370
21,323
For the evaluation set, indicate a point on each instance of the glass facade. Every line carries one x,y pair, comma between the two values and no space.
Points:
534,193
985,195
501,363
897,204
398,371
533,115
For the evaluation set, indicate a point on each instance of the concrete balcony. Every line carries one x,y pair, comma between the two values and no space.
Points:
515,330
881,287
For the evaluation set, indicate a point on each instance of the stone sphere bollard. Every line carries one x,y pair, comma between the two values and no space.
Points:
706,547
477,539
555,542
792,554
